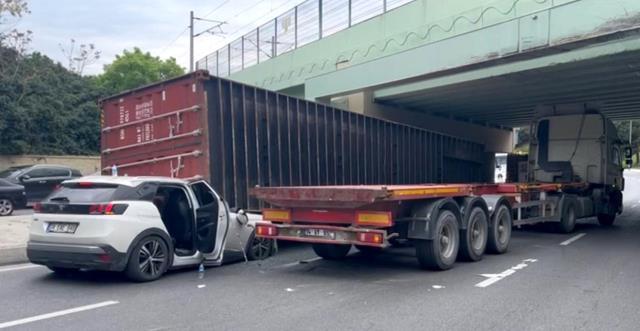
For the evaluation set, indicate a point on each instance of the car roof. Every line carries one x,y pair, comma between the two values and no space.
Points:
127,181
47,165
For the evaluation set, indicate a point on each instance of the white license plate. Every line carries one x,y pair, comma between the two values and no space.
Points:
62,227
319,233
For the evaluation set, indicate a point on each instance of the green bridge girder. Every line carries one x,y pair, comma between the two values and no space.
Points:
500,57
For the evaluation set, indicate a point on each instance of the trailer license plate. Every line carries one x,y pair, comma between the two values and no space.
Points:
319,233
62,227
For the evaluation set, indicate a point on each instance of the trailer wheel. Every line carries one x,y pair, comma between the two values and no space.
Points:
568,219
500,230
441,252
473,240
606,219
331,251
368,250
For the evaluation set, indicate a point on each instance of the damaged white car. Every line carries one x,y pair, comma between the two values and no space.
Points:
141,226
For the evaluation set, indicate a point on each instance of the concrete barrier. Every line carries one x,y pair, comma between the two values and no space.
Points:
14,233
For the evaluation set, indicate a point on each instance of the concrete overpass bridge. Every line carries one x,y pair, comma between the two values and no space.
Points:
473,68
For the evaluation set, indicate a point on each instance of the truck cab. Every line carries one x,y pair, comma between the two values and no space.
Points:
576,144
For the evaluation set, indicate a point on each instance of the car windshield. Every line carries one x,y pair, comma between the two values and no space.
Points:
11,172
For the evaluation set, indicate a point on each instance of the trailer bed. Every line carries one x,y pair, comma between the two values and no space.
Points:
362,195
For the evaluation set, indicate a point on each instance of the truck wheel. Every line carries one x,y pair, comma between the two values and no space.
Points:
606,219
441,252
368,250
331,251
568,219
473,240
500,230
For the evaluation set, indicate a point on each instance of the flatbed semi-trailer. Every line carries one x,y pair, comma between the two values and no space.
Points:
575,171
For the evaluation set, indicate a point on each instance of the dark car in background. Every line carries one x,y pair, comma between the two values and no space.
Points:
39,180
12,197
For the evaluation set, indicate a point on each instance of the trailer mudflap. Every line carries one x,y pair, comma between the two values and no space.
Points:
424,216
323,234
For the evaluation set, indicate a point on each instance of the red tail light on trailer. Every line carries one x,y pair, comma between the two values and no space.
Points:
370,237
264,230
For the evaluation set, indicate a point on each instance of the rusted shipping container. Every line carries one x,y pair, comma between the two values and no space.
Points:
238,136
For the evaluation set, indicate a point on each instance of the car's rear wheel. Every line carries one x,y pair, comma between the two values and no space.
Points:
260,248
149,259
6,207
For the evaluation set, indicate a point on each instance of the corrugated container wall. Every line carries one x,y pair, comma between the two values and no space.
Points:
238,136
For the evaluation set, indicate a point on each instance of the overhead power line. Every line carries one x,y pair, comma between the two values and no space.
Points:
174,40
216,8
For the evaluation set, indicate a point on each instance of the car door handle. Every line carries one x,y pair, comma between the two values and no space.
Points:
42,182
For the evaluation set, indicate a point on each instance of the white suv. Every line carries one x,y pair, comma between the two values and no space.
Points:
140,225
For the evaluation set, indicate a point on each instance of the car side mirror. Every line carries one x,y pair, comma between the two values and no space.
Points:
24,177
628,156
242,217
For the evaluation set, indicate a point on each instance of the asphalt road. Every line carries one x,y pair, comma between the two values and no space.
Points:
588,280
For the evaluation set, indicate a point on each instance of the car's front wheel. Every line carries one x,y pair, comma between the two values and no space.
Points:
6,207
149,260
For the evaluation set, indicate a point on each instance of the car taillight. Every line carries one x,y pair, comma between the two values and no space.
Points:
37,208
266,230
108,209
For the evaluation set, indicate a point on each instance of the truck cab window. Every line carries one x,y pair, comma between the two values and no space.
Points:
615,156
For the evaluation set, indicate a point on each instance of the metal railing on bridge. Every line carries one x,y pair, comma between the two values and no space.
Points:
310,21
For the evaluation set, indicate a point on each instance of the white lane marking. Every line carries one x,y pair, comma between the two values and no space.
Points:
635,206
202,286
56,314
437,287
20,267
493,278
572,239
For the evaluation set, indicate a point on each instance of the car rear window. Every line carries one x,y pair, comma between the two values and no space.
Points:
94,193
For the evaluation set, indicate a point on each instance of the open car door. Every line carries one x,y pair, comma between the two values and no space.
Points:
212,222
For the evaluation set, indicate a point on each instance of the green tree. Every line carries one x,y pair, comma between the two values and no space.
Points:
46,109
134,68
